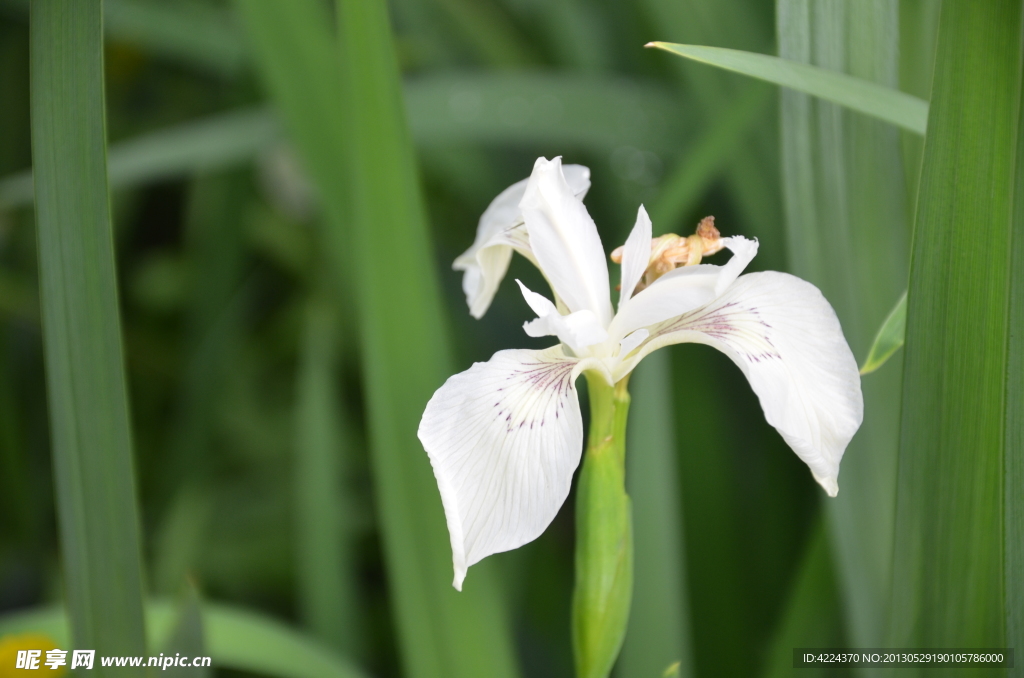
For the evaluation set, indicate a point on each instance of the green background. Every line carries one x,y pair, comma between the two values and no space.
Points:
218,352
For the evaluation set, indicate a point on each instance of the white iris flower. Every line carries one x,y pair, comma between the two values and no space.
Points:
504,437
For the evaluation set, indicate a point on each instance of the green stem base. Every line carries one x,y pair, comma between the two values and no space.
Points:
604,536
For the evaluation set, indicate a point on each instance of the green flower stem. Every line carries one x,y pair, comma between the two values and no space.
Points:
604,535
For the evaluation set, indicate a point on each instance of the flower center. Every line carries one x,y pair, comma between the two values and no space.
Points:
671,251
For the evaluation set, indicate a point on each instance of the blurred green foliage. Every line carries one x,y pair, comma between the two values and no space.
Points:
260,324
955,578
90,424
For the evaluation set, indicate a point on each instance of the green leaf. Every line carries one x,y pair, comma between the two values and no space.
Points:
1014,425
858,94
659,628
958,543
200,146
88,406
406,357
726,509
813,616
750,175
214,245
248,641
919,22
235,638
488,32
192,32
212,330
187,639
180,538
889,338
721,574
847,232
704,159
323,537
555,111
596,113
346,119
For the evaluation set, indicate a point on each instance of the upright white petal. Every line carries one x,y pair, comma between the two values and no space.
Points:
577,330
636,255
499,232
786,338
682,290
504,438
565,242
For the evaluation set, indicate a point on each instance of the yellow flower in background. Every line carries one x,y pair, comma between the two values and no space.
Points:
12,644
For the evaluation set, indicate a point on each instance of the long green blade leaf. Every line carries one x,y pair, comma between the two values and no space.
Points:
956,548
323,441
91,437
813,616
357,151
1014,425
235,638
844,193
193,147
406,357
214,246
919,21
889,338
597,113
857,94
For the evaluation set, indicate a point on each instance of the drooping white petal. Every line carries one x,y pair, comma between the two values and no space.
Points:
636,255
786,338
565,242
482,273
682,290
577,330
499,232
504,438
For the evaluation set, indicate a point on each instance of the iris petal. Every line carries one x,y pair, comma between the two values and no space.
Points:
504,438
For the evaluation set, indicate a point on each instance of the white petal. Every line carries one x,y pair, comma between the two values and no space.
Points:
577,330
636,255
627,345
786,338
565,241
682,290
578,178
483,272
500,231
504,438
